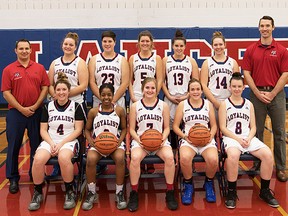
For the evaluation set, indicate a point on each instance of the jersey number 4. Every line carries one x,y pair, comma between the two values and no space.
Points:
60,129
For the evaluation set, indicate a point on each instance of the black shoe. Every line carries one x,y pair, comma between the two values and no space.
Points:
268,196
133,201
171,202
230,201
281,175
14,186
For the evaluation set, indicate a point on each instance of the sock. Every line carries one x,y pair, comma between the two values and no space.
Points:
169,186
231,185
187,181
69,186
38,188
207,179
119,188
92,187
135,187
265,184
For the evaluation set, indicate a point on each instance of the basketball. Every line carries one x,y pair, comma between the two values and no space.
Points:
151,139
199,135
106,143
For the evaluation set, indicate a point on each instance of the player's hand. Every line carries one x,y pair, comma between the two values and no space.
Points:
173,99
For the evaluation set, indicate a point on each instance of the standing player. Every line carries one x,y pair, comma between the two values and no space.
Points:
112,118
196,110
178,70
62,122
150,113
237,123
24,86
145,63
265,66
216,71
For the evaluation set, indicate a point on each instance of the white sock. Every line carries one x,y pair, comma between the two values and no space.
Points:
119,188
92,187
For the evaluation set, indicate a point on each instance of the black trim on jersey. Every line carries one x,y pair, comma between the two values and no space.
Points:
237,106
150,108
68,63
220,63
79,113
105,113
62,108
178,60
145,59
108,60
196,109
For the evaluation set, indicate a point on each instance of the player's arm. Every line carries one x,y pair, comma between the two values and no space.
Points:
204,82
212,119
166,121
125,79
159,73
178,119
51,79
131,92
132,122
195,68
123,123
89,125
235,66
83,77
252,122
92,80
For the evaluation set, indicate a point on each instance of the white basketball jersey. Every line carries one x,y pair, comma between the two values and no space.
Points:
108,70
70,69
219,74
106,121
178,75
61,123
149,117
192,116
238,117
142,68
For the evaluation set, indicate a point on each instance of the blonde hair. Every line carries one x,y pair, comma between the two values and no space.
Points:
74,36
146,80
62,78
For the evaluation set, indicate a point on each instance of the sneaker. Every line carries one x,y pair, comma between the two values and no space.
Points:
268,196
36,201
187,193
91,198
69,200
230,201
171,202
101,168
120,199
210,193
133,201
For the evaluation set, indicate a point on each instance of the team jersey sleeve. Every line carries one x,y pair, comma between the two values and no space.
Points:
44,116
79,115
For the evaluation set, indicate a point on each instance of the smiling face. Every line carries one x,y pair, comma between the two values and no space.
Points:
218,46
69,46
266,28
62,93
108,44
179,47
145,43
149,89
236,87
23,51
195,90
106,96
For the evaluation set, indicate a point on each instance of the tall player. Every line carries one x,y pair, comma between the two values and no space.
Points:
196,110
237,123
62,122
150,113
112,118
178,70
216,71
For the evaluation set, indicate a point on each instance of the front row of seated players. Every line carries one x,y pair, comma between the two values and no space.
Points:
62,122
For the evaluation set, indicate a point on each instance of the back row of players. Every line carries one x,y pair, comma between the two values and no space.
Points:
178,76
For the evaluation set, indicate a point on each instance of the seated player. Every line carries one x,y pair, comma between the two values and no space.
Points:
237,123
191,111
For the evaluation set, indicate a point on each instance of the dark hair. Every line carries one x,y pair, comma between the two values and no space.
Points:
237,76
178,36
110,34
106,85
192,80
148,79
73,36
267,18
22,40
62,78
217,34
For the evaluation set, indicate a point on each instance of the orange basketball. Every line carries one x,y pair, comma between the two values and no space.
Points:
151,139
106,143
199,135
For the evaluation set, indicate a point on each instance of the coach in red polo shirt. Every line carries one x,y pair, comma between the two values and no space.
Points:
24,86
265,66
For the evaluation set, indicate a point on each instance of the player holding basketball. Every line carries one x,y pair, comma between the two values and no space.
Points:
150,113
178,70
62,122
111,118
216,71
191,111
237,123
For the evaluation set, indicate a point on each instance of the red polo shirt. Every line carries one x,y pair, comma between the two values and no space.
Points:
24,83
266,63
